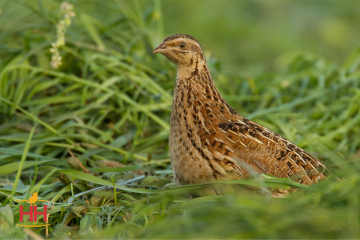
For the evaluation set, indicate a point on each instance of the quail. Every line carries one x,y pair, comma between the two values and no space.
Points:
210,141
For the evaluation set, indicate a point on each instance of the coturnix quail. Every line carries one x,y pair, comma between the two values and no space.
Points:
210,141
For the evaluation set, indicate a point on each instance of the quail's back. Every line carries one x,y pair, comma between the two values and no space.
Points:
210,141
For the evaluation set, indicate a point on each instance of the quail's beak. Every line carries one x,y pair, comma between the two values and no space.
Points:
160,48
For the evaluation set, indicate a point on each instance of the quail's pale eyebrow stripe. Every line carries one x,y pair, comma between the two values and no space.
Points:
184,37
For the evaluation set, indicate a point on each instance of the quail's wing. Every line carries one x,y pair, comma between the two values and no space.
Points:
240,146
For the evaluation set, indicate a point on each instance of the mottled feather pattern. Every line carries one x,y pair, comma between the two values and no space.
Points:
210,141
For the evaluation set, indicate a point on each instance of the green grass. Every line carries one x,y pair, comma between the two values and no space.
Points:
109,105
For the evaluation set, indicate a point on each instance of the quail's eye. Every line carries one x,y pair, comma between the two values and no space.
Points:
182,45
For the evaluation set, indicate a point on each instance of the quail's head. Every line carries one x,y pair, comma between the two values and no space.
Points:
181,49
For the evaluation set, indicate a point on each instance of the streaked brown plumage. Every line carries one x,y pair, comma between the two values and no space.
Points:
210,141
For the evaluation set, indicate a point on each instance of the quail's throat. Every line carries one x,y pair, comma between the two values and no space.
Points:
195,64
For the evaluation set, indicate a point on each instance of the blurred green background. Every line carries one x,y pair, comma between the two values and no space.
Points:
250,36
245,36
102,117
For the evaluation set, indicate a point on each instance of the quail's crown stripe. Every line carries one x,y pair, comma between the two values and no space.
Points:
176,36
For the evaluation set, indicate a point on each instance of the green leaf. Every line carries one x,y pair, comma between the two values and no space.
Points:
21,165
116,169
15,166
87,21
97,180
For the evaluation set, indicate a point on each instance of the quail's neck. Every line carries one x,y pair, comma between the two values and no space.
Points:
186,71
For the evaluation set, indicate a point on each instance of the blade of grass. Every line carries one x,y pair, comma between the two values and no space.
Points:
23,158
